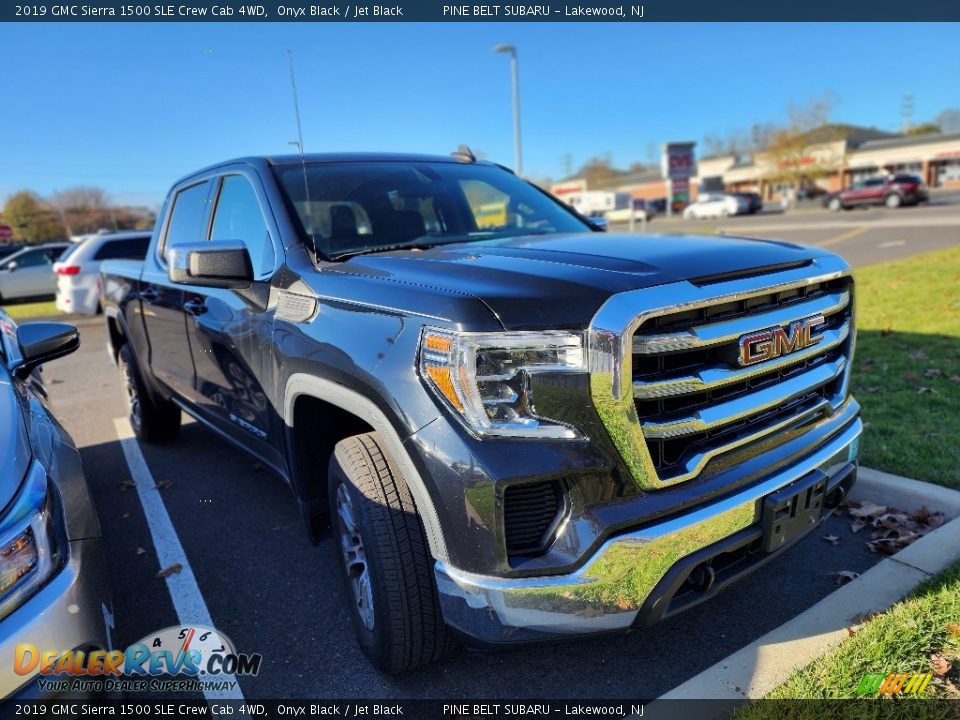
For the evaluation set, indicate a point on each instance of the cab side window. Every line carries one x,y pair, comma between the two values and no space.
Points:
187,217
239,217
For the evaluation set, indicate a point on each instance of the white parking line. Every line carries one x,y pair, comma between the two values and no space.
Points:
186,596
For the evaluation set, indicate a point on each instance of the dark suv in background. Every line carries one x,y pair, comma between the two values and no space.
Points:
892,191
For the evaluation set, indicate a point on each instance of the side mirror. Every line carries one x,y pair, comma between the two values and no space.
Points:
11,266
41,342
218,263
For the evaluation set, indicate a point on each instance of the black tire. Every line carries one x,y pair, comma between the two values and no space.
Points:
151,420
396,612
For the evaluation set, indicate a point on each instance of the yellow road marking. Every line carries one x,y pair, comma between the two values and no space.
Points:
844,236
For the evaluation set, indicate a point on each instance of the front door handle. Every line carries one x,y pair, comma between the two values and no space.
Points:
149,295
195,307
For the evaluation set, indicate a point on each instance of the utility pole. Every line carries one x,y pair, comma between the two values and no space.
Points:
907,112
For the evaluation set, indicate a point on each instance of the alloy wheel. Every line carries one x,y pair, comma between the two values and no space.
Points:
355,558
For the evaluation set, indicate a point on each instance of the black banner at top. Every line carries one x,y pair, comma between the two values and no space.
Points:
461,11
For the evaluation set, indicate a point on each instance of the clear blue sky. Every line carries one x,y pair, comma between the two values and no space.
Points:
131,107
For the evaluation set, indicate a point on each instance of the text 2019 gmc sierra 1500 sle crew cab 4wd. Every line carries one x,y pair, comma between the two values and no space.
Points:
519,429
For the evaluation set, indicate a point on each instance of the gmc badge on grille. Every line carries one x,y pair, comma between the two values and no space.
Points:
768,344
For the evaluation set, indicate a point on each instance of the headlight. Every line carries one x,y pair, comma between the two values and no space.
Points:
485,377
31,542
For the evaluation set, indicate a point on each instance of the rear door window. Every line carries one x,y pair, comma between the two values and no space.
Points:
123,249
188,217
34,258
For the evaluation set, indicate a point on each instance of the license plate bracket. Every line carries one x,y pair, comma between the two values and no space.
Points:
792,510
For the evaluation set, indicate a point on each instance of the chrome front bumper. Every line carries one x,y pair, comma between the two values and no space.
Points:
611,589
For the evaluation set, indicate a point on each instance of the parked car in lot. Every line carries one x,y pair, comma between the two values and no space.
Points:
53,586
892,191
78,272
517,432
714,205
28,273
753,201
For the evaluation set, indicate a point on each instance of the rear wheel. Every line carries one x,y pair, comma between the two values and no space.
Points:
382,551
892,201
151,420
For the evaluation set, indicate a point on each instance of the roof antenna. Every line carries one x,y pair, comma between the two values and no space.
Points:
299,144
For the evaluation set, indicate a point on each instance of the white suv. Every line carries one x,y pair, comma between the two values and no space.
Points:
714,205
78,272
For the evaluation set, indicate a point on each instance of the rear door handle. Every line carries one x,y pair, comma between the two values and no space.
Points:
195,307
149,295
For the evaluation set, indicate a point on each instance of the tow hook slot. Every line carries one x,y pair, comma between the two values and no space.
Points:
702,577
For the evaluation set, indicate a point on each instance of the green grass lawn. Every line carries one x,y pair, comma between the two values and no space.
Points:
906,371
899,640
25,311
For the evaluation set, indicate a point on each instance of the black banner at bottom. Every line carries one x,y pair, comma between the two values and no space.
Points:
872,709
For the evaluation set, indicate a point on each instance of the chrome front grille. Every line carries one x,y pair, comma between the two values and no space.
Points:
668,382
695,401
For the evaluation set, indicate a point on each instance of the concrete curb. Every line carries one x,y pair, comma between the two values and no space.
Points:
758,668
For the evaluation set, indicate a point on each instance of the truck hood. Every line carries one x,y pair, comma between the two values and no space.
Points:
560,281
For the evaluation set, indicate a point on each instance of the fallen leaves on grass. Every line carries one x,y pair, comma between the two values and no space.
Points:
939,665
844,576
893,529
170,570
919,356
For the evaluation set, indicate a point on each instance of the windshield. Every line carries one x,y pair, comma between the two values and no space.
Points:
357,207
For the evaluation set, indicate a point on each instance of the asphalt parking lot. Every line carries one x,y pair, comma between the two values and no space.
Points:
862,235
273,593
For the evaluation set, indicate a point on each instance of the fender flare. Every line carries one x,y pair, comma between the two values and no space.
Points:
353,402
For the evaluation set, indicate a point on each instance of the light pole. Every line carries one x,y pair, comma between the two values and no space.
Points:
512,51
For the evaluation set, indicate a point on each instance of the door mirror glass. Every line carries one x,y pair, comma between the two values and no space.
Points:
218,263
41,342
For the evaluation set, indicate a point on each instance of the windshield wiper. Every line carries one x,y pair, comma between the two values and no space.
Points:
415,245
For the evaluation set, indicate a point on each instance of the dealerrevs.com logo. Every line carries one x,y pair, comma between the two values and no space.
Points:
186,658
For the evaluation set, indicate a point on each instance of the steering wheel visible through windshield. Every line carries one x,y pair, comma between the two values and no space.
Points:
352,207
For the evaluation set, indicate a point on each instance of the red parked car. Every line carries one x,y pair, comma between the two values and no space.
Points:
892,191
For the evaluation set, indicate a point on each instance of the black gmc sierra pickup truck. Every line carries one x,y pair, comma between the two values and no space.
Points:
517,427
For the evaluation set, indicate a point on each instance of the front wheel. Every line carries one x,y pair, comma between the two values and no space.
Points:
151,420
892,201
382,551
